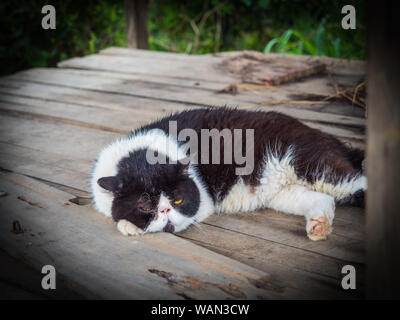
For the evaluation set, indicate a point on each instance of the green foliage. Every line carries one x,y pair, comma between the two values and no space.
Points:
320,41
296,27
195,27
82,27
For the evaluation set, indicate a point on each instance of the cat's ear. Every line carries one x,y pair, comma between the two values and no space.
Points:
183,166
113,184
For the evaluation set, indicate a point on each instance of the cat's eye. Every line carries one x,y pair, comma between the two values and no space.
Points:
178,201
146,209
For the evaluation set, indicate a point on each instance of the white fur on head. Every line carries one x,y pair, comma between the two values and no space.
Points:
180,221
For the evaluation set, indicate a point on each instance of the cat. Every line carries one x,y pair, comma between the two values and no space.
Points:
297,170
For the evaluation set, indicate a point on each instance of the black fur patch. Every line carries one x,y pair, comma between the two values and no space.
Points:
142,185
315,152
357,199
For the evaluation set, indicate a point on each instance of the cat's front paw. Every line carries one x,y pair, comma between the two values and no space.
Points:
128,229
318,228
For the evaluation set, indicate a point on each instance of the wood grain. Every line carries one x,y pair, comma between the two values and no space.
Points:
64,235
53,124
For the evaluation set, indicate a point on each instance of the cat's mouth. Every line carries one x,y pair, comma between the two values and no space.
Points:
169,227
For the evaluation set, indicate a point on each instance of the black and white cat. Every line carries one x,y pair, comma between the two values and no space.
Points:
297,170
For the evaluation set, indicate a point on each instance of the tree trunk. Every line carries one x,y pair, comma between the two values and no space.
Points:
136,13
383,152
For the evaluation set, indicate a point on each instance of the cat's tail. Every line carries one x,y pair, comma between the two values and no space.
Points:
356,199
356,157
344,177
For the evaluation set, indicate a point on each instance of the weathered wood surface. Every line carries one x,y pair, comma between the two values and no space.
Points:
54,122
87,248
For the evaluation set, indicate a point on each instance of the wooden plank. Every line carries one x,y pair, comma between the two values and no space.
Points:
49,136
317,120
346,71
321,84
345,243
63,170
178,69
355,66
85,98
70,77
310,273
117,120
339,66
107,121
383,156
65,235
20,281
38,74
154,90
198,67
103,119
344,66
119,51
47,150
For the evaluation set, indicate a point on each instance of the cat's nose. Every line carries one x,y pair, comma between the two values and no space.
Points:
165,210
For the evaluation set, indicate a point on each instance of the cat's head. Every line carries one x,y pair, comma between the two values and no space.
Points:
154,197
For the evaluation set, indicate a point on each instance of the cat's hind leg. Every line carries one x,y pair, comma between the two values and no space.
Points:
318,208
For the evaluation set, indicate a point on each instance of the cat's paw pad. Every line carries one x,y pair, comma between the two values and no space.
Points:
318,228
128,229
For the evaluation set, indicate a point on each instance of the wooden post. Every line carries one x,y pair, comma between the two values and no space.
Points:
136,13
383,152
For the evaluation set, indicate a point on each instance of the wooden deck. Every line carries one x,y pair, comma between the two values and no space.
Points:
54,122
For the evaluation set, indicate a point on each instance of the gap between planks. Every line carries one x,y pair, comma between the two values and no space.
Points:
120,118
323,123
126,83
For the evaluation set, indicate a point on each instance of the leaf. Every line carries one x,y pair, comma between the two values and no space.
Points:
319,38
270,44
308,44
284,40
336,47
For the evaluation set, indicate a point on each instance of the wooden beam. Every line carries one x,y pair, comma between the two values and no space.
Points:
383,152
136,13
